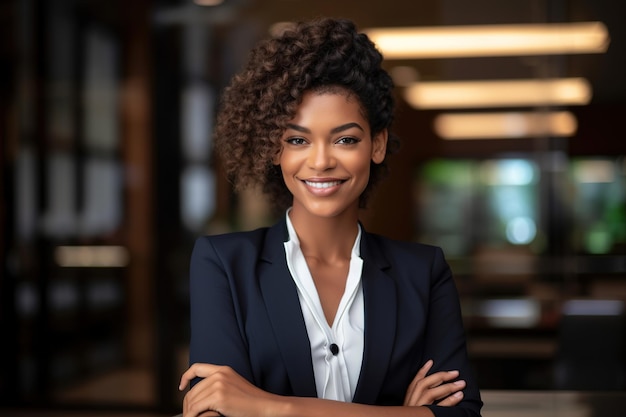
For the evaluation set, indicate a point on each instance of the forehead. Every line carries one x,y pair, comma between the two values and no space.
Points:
336,90
330,105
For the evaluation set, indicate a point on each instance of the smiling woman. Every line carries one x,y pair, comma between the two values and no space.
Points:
263,99
315,316
326,154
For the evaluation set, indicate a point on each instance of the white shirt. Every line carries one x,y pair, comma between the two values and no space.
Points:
336,376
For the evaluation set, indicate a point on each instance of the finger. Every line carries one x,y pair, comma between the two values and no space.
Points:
444,391
420,388
196,393
201,370
205,388
425,394
424,369
187,376
418,377
204,398
436,379
199,407
452,399
184,381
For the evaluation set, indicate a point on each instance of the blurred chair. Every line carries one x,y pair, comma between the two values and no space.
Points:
592,348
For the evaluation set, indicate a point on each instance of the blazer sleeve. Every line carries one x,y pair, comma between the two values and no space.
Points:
217,335
445,339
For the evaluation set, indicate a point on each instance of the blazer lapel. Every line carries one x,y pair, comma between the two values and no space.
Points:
379,293
283,307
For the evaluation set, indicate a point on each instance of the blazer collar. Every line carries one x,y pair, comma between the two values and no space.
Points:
379,293
283,306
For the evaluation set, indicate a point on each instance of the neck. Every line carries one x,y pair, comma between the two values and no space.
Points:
326,238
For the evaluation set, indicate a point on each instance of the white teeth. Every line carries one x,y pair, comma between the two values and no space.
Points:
322,184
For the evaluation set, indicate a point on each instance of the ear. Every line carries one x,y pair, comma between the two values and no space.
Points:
379,146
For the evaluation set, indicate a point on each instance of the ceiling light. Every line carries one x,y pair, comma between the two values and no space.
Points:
594,171
208,2
508,93
92,256
490,40
502,125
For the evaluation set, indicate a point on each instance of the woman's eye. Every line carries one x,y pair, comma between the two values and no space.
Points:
347,140
296,141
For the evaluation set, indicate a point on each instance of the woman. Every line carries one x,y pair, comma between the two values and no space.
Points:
314,316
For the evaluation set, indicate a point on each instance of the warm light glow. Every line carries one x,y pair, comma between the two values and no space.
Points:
509,93
91,256
595,171
455,126
278,28
490,40
208,2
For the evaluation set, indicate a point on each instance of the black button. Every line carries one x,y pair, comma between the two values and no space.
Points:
334,349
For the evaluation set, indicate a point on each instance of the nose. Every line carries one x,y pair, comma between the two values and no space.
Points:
321,157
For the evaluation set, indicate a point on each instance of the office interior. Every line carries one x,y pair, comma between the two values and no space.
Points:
107,178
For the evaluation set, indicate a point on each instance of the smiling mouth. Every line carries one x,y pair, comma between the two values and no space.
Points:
322,184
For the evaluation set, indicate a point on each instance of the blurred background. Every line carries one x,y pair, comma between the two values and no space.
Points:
107,177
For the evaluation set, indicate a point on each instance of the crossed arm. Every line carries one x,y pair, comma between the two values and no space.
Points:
224,392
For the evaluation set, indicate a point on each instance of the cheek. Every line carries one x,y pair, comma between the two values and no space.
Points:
289,168
286,163
362,165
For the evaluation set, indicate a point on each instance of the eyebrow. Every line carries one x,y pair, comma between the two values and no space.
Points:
333,130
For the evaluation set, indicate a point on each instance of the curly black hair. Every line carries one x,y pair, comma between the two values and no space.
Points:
321,54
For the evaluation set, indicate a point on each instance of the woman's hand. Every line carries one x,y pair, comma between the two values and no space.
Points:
222,391
425,390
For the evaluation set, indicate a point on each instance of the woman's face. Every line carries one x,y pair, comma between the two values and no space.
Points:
326,153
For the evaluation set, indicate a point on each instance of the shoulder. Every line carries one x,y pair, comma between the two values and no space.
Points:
235,242
264,242
398,250
234,238
413,266
406,261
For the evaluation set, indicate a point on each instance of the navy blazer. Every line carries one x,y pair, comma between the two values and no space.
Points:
245,313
